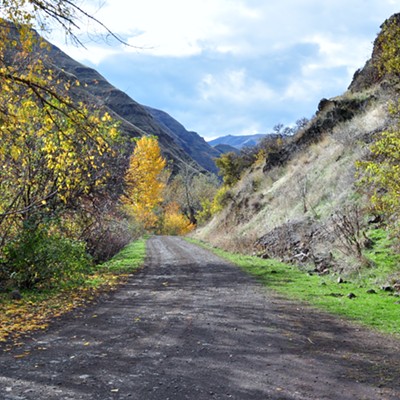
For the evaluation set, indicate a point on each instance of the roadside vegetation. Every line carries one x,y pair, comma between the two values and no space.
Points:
60,158
30,310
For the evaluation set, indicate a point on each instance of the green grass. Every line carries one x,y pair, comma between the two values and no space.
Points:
378,310
129,259
386,261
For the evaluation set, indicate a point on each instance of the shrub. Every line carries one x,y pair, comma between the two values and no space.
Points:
205,213
37,258
221,199
380,174
175,223
230,167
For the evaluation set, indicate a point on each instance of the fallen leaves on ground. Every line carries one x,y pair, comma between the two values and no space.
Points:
33,313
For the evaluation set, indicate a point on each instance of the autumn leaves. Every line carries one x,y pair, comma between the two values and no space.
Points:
145,184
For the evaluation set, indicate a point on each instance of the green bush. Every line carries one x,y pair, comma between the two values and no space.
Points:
221,199
205,213
39,259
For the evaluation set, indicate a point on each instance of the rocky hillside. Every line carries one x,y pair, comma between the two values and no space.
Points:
292,205
179,146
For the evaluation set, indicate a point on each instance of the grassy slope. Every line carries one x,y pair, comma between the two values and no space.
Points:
37,308
380,310
263,201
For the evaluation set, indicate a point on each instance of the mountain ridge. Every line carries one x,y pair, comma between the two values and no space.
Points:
190,141
238,141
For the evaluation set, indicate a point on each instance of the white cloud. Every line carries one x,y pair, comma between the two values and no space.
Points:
300,89
234,86
175,27
340,50
181,28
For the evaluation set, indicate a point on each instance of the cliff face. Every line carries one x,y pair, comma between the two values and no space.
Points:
366,77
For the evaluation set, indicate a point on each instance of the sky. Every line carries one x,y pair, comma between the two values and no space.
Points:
234,67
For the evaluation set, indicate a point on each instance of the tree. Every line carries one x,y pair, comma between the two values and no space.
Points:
44,14
49,157
191,191
49,166
230,168
56,154
51,147
174,222
301,124
143,181
184,184
382,175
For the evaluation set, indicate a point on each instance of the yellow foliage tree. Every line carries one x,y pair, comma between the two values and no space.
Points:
51,156
143,181
175,223
381,173
53,150
57,154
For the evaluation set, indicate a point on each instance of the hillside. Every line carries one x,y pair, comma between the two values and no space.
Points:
178,145
226,148
238,141
288,206
189,141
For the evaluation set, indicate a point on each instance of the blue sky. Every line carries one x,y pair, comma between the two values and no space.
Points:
232,66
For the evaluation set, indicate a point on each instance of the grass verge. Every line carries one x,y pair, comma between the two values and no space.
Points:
37,308
371,306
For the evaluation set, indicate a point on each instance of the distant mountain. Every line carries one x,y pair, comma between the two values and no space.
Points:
191,142
238,141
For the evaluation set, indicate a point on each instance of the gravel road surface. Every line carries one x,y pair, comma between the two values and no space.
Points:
192,326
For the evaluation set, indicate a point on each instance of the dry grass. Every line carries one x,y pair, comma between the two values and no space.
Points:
377,118
313,184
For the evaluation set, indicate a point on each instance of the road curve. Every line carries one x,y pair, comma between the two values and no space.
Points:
192,326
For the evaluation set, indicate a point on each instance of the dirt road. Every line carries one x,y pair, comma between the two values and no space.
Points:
191,326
